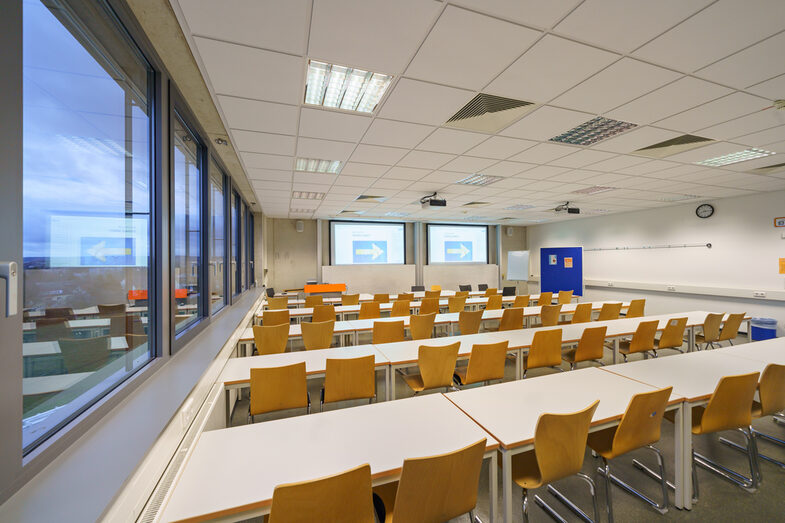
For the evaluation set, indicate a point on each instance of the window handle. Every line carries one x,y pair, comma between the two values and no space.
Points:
9,273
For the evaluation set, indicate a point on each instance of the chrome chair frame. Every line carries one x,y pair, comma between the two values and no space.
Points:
575,509
251,419
766,437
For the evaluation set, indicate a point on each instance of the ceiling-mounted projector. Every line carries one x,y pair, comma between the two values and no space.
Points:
565,208
431,201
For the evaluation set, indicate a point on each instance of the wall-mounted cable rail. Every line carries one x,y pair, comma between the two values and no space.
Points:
667,246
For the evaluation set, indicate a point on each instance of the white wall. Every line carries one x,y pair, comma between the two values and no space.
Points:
744,256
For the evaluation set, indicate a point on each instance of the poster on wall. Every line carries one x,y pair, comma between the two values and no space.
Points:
552,259
568,263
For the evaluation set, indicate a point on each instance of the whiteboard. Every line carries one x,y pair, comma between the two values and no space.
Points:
371,278
450,275
517,265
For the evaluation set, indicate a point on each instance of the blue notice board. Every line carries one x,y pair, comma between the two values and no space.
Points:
561,269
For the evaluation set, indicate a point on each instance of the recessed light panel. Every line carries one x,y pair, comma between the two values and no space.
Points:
312,165
301,211
741,156
396,214
593,190
479,179
342,87
593,131
519,207
305,195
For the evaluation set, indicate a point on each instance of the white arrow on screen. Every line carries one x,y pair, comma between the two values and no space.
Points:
374,251
463,251
100,251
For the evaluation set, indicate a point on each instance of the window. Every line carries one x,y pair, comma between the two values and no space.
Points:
457,243
186,227
87,223
250,243
236,247
244,244
217,243
367,242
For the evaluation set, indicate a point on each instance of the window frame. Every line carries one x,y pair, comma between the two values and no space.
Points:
225,188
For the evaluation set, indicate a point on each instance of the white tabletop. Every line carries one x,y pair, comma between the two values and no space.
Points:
236,470
769,351
407,351
295,330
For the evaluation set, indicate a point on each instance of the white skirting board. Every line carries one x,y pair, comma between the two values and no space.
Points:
449,276
371,278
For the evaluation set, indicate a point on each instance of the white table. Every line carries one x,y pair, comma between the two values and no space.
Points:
295,331
475,298
509,411
232,473
768,351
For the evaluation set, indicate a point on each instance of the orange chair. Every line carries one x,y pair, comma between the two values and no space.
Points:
545,351
565,297
401,308
429,305
546,298
433,293
275,317
469,322
323,313
421,326
610,311
512,319
313,301
271,339
486,363
494,302
635,310
370,310
388,331
381,297
591,347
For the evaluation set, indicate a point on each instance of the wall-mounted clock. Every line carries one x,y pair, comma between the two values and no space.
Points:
705,210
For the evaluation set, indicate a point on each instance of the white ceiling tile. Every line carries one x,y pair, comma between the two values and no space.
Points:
468,164
266,185
318,178
277,195
507,168
267,161
608,179
445,177
685,93
573,176
537,77
406,173
545,123
582,158
776,147
387,183
425,160
332,125
750,66
635,139
426,186
354,181
422,102
451,141
771,89
323,149
745,125
527,12
500,147
262,75
542,172
253,142
270,174
310,187
377,35
253,115
346,190
775,134
719,30
364,169
621,82
377,154
396,134
544,153
717,111
616,163
648,167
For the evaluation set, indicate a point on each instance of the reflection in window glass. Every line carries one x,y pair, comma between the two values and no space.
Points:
243,246
217,235
235,243
86,199
186,227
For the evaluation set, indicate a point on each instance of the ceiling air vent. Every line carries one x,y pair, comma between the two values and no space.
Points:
474,204
769,168
489,113
593,190
679,144
353,213
369,198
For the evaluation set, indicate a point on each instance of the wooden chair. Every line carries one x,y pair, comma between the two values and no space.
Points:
711,331
345,497
565,297
421,326
278,303
381,298
429,305
401,308
350,299
730,329
512,319
494,302
84,354
405,296
610,311
582,314
370,310
388,331
436,288
642,340
492,291
434,489
521,301
591,347
135,340
313,301
635,310
486,363
318,335
111,310
559,447
52,329
349,379
275,317
323,313
466,288
433,294
549,315
545,351
271,339
461,294
469,322
436,366
59,312
672,336
278,388
639,428
456,304
546,298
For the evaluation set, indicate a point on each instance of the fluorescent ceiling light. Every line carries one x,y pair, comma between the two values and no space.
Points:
593,190
519,207
479,179
301,211
396,214
593,131
740,156
305,195
312,165
342,87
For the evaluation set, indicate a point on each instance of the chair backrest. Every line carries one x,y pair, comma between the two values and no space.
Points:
349,378
469,321
52,329
730,406
635,310
772,389
135,340
582,313
512,319
494,302
350,299
111,310
405,296
437,364
421,326
610,311
418,288
730,329
401,308
59,312
560,443
711,326
270,292
318,335
545,350
84,354
482,286
508,291
673,333
275,317
370,310
546,298
324,313
461,294
117,324
345,497
565,297
429,305
436,288
549,315
382,297
491,291
640,425
456,303
278,388
486,362
433,294
521,301
313,301
643,338
591,345
465,287
388,331
271,339
282,302
439,488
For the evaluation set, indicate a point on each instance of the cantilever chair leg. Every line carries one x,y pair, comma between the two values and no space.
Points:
661,507
779,419
758,435
525,506
750,484
669,484
569,504
474,518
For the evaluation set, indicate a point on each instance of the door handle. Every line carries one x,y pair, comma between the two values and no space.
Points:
9,273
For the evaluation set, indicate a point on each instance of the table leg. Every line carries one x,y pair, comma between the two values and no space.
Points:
749,330
388,379
691,339
493,487
355,337
615,349
687,455
392,382
507,485
228,408
519,364
678,458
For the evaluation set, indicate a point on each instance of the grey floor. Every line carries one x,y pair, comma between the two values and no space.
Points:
719,499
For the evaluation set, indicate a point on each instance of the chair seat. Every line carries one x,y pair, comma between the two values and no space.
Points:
700,338
624,346
569,355
657,346
697,415
414,381
387,493
460,373
525,471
